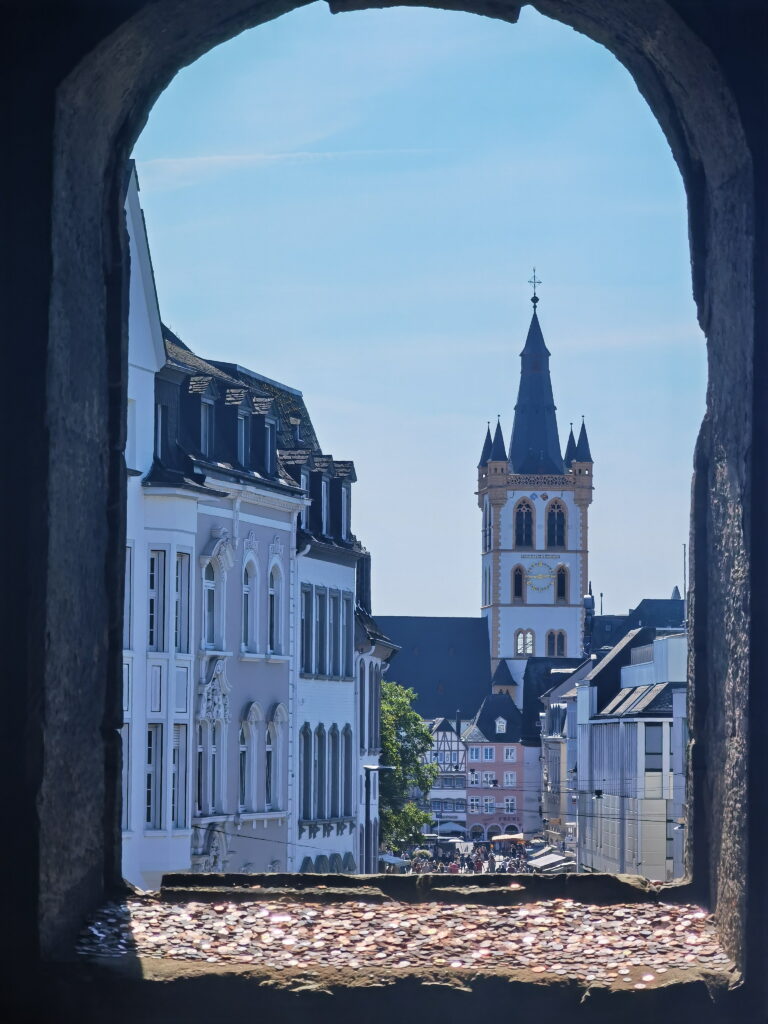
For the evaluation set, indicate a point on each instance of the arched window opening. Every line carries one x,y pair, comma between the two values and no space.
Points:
561,585
305,757
363,713
524,645
371,706
200,800
213,760
335,765
248,639
524,524
556,525
274,627
209,606
556,643
347,771
269,776
242,763
518,585
320,773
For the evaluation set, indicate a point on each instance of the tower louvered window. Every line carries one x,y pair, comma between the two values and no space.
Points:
556,525
524,525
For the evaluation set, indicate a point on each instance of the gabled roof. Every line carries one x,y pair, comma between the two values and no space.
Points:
535,445
446,661
502,676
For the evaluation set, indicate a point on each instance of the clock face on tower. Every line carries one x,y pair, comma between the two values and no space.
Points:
540,576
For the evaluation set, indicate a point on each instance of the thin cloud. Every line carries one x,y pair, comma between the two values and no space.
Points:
164,173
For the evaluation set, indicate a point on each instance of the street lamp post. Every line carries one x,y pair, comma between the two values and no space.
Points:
368,768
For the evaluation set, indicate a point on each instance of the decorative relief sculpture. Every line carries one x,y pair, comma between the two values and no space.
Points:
213,703
276,548
250,543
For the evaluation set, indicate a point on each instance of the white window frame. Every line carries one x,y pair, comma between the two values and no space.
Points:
489,753
324,489
210,607
489,805
510,805
128,599
304,484
510,780
249,618
347,635
156,600
510,755
207,427
161,429
345,508
125,737
270,443
321,631
243,766
488,778
334,634
179,777
243,447
153,777
501,725
275,609
270,760
474,753
307,615
474,805
181,602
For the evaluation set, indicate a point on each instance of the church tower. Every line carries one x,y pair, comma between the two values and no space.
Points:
535,546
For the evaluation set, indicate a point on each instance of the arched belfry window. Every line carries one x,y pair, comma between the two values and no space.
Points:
561,585
524,643
524,524
518,585
556,643
556,525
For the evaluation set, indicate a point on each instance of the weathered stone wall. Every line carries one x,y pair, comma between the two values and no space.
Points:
79,80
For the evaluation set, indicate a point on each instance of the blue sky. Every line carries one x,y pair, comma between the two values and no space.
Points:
352,204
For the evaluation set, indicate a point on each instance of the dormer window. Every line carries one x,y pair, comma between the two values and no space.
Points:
304,487
324,506
243,438
270,434
345,501
206,427
161,430
501,725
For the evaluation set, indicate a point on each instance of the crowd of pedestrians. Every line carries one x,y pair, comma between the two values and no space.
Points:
479,860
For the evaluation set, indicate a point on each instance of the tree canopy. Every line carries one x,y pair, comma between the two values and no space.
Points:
405,739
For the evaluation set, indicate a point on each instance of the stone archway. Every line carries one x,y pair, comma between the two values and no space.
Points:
106,79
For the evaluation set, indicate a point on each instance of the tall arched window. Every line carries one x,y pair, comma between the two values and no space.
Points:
248,638
561,585
214,765
487,524
320,773
556,525
242,766
524,643
524,524
269,768
371,706
363,719
347,774
518,585
200,801
209,606
305,758
274,608
335,772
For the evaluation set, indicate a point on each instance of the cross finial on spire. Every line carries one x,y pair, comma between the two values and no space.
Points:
534,281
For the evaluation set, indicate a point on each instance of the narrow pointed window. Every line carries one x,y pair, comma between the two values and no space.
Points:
524,525
243,769
518,585
561,594
556,525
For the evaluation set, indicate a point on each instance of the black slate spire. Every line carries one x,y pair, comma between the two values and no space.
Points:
498,450
583,453
535,446
487,444
570,449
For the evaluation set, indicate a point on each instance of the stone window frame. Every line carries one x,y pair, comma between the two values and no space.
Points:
519,504
685,78
556,503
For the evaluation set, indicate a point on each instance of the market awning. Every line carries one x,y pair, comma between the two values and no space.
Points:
389,859
517,837
546,861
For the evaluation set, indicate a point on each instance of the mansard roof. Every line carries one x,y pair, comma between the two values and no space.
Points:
535,445
446,661
483,725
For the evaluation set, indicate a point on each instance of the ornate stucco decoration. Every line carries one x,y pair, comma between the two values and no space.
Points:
213,704
276,548
250,543
220,550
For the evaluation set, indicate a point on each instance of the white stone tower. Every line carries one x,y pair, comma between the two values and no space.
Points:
535,544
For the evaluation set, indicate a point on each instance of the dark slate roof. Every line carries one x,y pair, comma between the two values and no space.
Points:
583,453
487,444
535,445
446,661
606,674
653,700
202,372
502,676
371,628
660,613
537,680
498,450
483,725
570,449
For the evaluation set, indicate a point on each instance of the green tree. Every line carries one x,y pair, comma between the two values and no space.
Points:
405,739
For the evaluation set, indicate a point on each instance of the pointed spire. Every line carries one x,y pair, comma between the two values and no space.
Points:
570,449
498,450
583,453
486,452
676,594
535,446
